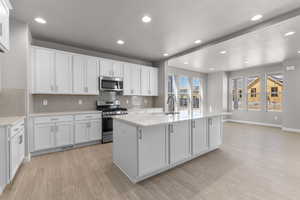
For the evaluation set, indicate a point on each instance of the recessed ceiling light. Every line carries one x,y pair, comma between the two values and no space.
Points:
289,33
198,41
256,17
121,42
40,20
166,54
223,52
186,63
146,19
212,69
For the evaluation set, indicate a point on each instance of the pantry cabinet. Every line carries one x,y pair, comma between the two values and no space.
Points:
5,8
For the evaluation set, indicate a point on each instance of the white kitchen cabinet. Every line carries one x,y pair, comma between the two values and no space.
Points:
52,71
81,132
111,68
5,8
44,136
132,79
145,81
85,75
17,149
95,130
152,147
63,134
199,136
118,69
43,70
88,130
179,141
154,81
215,132
63,72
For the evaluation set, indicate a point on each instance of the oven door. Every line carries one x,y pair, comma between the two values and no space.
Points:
107,129
111,84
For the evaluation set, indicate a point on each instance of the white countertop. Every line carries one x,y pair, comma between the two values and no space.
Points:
152,119
65,113
10,121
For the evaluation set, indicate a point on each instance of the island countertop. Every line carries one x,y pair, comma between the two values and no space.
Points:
152,119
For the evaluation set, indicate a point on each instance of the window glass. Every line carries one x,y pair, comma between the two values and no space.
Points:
184,91
196,94
237,93
274,92
253,90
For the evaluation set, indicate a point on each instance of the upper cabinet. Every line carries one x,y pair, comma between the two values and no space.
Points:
85,75
5,6
52,71
111,68
132,79
59,72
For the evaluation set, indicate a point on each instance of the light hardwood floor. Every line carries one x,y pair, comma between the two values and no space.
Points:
258,163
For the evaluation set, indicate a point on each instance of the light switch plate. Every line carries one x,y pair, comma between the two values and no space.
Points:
290,68
79,101
45,102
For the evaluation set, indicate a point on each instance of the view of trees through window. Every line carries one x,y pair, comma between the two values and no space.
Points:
274,92
184,89
254,92
196,94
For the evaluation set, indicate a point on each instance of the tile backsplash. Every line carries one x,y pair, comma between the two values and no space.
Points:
65,103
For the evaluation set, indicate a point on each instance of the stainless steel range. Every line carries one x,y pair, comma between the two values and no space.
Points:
109,109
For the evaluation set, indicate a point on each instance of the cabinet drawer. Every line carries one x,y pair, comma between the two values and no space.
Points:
88,116
65,118
19,127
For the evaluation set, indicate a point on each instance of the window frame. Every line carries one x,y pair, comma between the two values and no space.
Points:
266,90
260,76
242,107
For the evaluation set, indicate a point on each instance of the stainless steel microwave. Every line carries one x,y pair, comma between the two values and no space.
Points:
110,84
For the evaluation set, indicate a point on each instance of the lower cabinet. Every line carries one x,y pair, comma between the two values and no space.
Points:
89,130
199,136
152,148
179,141
43,136
215,132
63,134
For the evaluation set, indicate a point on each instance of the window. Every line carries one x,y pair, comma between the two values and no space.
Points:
196,94
253,90
274,92
184,90
237,93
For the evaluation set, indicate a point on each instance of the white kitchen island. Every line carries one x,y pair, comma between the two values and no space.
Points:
147,144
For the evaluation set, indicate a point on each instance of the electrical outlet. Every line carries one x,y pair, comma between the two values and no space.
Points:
276,118
145,101
79,101
127,101
45,102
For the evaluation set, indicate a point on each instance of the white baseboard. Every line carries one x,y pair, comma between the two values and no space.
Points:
291,130
254,123
27,158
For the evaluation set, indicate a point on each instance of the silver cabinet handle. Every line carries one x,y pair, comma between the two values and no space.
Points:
56,128
140,134
16,129
194,124
52,129
54,119
131,91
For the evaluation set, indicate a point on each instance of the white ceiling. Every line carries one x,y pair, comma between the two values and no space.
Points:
261,47
176,24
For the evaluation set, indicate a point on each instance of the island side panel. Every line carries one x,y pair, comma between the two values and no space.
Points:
125,152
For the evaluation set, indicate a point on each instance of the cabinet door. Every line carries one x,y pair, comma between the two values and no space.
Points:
79,63
118,68
14,156
63,134
63,73
154,82
135,79
152,144
106,68
199,138
81,132
92,75
127,79
95,130
179,141
145,81
43,136
43,70
4,28
215,133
